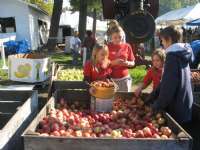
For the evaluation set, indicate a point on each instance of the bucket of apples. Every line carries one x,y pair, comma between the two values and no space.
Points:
103,89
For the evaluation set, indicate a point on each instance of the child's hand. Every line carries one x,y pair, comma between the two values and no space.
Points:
92,91
117,62
138,92
105,64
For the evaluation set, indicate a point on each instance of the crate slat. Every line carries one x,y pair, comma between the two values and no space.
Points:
13,124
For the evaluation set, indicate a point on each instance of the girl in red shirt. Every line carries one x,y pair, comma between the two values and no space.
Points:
154,74
98,67
121,57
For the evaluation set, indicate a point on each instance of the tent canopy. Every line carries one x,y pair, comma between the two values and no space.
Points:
72,19
180,16
194,23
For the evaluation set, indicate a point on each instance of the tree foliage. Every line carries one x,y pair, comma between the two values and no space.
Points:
92,4
47,5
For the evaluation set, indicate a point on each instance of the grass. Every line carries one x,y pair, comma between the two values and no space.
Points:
61,58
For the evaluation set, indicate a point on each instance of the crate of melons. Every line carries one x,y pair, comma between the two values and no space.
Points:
66,122
103,89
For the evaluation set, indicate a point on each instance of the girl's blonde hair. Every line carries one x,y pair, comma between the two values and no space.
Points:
160,53
97,48
115,29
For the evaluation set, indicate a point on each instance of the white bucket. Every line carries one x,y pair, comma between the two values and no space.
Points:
101,105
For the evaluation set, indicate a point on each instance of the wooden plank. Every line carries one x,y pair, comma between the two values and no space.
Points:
83,97
43,112
54,143
58,85
10,133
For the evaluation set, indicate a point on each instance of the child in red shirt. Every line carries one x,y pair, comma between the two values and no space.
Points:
98,67
121,57
154,74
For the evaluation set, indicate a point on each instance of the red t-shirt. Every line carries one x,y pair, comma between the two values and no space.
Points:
122,51
96,74
153,75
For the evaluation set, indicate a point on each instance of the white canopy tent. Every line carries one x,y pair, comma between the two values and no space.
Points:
72,19
180,16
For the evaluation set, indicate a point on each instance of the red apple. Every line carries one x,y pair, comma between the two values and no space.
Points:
156,136
139,134
55,133
147,132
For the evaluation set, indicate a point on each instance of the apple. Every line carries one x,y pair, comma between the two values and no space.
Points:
128,133
166,131
78,133
147,132
55,133
164,137
54,127
161,121
181,135
44,134
156,136
139,134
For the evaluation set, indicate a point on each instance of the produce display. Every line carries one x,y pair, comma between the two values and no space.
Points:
129,118
195,76
103,89
106,84
72,74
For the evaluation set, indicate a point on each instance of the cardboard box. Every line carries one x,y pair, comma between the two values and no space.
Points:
29,68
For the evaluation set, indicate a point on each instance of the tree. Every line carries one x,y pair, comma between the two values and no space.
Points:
55,20
85,7
46,5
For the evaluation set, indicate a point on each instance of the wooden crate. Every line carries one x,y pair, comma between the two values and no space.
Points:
59,67
196,112
17,109
34,142
60,85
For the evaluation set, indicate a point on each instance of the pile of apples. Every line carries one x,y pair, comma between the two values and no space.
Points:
195,76
107,83
129,118
72,74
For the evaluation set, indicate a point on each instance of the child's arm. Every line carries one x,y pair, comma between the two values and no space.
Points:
139,90
130,62
146,82
87,72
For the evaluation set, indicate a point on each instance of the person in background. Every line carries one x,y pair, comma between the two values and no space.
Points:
98,68
154,74
89,43
122,58
75,44
174,94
